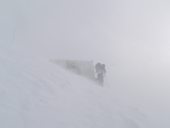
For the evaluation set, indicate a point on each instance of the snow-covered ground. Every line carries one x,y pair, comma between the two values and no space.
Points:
130,37
38,94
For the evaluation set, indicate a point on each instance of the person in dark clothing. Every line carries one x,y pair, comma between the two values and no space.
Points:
100,72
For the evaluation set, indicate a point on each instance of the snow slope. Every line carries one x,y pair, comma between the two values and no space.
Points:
130,37
38,94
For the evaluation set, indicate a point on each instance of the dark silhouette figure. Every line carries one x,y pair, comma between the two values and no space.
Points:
100,72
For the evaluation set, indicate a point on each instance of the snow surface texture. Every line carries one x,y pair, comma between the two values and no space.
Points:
130,36
41,95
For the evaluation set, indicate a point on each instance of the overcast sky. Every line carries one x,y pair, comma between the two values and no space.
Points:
130,35
101,29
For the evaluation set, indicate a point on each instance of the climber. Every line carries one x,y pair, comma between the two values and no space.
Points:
100,70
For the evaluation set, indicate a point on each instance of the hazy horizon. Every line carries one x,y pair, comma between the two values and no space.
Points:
130,36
